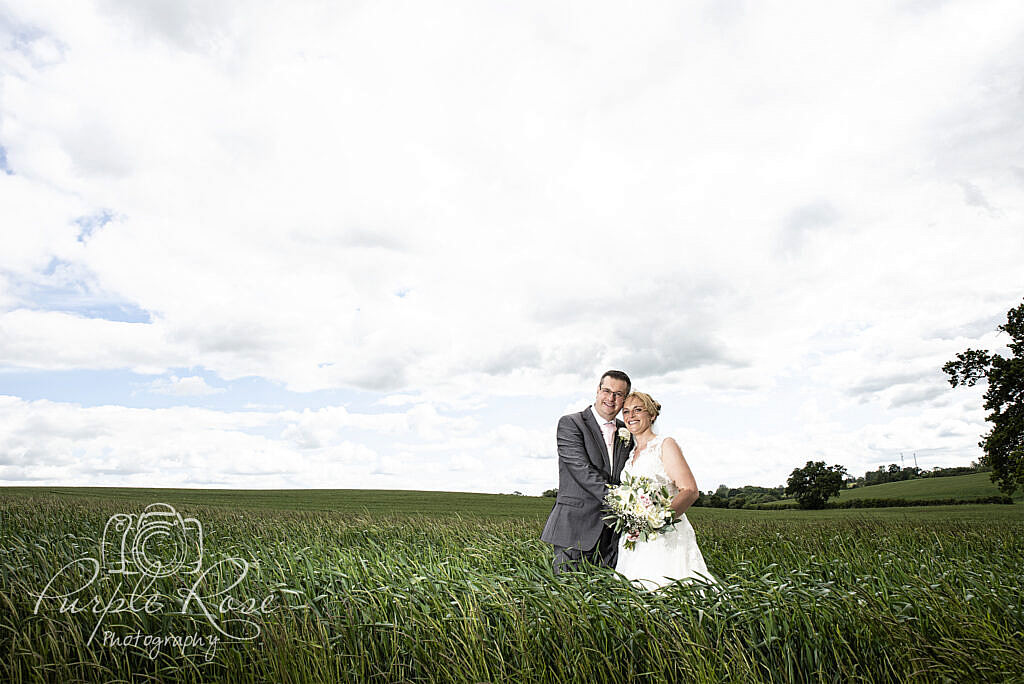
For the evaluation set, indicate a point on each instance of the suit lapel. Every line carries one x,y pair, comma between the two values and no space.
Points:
595,429
621,450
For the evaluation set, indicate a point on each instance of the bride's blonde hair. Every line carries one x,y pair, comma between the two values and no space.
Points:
652,407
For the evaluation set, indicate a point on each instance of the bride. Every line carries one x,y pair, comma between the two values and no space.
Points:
673,555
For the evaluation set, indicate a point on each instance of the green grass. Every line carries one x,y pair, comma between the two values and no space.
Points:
339,500
908,513
902,595
495,505
488,506
959,487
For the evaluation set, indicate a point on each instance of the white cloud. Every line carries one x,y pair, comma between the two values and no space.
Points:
449,207
52,443
54,340
56,443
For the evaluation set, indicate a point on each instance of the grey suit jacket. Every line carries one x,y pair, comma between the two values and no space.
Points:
576,519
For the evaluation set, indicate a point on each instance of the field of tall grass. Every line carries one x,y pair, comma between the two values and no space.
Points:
356,596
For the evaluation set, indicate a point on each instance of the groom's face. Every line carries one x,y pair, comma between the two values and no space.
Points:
610,395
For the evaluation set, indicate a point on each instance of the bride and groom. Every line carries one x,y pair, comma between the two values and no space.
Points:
594,449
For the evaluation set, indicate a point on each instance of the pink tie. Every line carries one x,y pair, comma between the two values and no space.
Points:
609,435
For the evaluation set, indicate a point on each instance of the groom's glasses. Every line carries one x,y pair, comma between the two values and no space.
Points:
626,413
605,392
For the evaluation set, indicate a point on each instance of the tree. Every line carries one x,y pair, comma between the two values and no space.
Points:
813,484
1004,398
717,501
550,492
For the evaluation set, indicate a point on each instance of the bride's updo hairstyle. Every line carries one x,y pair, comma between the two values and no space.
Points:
652,407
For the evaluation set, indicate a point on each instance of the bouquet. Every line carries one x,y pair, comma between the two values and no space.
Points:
640,507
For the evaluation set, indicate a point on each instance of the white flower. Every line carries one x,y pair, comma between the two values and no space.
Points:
624,435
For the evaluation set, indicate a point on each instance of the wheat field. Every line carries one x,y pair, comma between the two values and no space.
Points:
430,597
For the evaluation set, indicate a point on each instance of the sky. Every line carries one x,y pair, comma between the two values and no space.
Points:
388,244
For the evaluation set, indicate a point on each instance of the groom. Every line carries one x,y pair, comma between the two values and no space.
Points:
590,456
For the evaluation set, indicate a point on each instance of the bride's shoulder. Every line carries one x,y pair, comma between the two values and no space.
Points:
669,444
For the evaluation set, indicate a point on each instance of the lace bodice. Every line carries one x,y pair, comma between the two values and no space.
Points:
648,464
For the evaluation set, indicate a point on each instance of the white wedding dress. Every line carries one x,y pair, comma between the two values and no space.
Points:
668,557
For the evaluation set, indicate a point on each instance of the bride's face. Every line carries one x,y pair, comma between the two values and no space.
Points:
636,417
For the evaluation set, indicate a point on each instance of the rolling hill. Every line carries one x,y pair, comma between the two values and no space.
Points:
958,487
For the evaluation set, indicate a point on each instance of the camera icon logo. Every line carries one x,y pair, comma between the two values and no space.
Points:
158,542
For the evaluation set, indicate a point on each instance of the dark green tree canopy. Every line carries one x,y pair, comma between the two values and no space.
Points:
1004,399
813,484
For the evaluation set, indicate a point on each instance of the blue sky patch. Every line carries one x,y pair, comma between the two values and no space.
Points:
90,224
123,387
66,290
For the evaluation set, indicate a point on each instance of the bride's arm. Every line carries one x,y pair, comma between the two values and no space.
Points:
677,468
